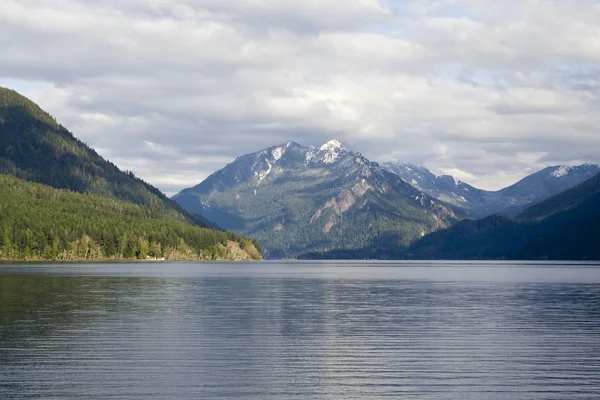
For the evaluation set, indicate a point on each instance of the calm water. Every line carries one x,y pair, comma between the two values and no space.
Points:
302,331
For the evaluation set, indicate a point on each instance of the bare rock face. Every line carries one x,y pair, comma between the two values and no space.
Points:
296,199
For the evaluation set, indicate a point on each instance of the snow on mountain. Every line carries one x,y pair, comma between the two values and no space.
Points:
311,153
444,188
511,200
561,171
331,151
277,152
332,146
296,199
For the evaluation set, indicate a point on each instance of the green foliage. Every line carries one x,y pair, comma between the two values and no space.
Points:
493,237
572,232
33,146
38,222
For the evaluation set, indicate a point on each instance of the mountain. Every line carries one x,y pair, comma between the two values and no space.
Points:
296,199
563,227
480,203
547,183
445,188
39,222
33,146
113,212
569,225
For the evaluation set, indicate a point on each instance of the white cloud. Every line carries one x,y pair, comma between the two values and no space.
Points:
498,89
457,173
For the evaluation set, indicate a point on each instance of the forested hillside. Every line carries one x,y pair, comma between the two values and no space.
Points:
33,146
564,227
38,222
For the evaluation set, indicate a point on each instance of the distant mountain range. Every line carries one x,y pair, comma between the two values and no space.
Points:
480,203
332,202
563,227
296,199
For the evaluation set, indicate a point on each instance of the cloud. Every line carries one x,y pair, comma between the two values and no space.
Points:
457,173
174,90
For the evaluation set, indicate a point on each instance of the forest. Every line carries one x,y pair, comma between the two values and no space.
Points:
34,147
39,222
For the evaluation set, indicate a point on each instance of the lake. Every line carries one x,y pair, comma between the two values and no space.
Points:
337,330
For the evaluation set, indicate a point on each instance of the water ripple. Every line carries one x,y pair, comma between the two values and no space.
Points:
215,332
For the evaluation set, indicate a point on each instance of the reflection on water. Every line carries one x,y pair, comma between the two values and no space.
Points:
219,332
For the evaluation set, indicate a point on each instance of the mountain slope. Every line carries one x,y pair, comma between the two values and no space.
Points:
444,188
569,225
296,199
38,222
112,214
564,201
480,203
545,184
565,226
33,146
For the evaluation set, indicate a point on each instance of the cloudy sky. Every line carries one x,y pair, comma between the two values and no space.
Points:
173,90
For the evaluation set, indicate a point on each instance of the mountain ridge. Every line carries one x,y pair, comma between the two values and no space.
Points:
565,226
294,199
510,200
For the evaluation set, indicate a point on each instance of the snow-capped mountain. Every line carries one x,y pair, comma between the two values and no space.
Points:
445,188
550,181
331,151
295,199
480,203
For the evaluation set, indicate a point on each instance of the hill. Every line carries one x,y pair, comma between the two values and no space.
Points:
563,227
569,225
296,200
34,147
42,223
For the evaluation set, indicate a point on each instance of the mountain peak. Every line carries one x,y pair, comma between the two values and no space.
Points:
332,151
332,145
405,163
314,199
560,171
291,143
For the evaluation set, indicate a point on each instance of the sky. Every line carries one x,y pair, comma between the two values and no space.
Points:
173,90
